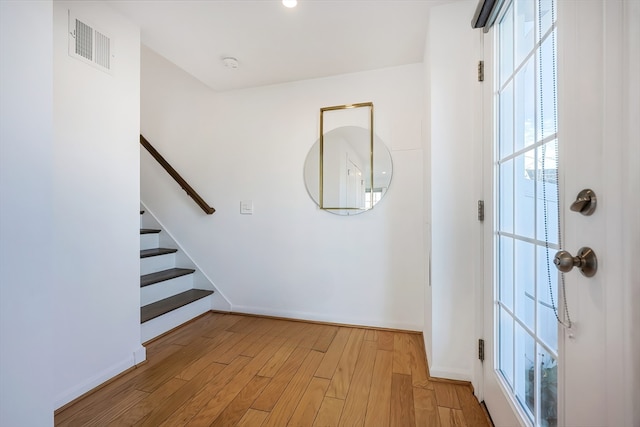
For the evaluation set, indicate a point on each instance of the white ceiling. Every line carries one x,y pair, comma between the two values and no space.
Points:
274,44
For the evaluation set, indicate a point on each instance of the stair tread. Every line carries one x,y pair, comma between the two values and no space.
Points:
156,309
161,276
149,231
145,253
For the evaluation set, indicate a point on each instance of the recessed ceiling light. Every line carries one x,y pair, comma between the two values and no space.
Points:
289,3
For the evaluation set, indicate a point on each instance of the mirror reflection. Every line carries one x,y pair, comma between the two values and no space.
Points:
341,181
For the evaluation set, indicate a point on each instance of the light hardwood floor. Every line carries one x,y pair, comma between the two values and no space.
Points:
233,370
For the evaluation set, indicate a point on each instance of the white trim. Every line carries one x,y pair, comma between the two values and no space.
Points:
219,300
449,373
319,317
95,381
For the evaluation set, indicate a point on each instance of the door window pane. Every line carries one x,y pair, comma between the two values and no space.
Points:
506,272
506,346
506,46
547,324
525,262
547,193
527,227
525,106
506,121
524,29
548,389
506,193
526,372
524,189
546,82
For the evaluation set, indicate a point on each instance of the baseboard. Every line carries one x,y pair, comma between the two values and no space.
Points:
449,374
74,394
319,318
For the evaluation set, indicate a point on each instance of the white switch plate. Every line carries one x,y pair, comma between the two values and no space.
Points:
246,207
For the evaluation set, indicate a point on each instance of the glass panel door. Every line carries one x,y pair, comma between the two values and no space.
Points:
526,223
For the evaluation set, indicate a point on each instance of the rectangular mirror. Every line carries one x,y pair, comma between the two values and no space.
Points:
346,157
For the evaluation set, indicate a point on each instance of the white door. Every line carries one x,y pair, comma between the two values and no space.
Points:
537,371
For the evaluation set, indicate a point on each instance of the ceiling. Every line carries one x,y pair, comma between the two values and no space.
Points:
274,44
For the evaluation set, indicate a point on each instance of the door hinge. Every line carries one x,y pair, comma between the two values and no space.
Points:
480,210
481,349
480,71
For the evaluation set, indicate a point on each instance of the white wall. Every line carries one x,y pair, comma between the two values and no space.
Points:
95,206
288,258
26,140
453,50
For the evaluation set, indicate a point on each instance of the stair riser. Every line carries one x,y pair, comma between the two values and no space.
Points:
157,263
175,318
165,289
149,241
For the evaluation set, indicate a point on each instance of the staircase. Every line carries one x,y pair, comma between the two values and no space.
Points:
168,297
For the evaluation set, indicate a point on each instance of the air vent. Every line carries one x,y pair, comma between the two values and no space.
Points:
89,45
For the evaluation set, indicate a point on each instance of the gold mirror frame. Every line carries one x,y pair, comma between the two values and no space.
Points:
345,107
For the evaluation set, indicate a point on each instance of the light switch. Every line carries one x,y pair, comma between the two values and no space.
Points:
246,207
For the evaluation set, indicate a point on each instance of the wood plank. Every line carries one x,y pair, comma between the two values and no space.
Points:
116,410
309,404
161,276
385,340
158,308
173,364
329,413
341,379
146,253
274,364
446,395
253,418
194,368
239,406
401,354
355,406
426,407
418,361
450,417
402,409
194,401
144,407
371,335
473,413
325,337
245,325
379,403
310,335
225,323
280,381
218,402
90,418
333,354
184,334
286,405
186,392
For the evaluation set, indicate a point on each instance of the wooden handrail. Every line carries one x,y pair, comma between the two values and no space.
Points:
180,180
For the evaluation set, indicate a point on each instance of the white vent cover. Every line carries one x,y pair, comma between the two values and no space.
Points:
89,45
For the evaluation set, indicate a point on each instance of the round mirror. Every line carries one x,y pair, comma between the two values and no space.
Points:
340,178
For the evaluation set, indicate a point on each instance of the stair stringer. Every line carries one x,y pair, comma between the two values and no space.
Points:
200,280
